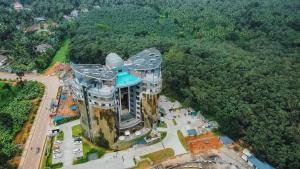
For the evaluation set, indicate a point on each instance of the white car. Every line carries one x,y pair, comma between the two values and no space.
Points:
57,142
77,150
56,151
56,156
77,142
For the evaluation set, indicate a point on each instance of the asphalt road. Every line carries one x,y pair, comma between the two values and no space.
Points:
30,158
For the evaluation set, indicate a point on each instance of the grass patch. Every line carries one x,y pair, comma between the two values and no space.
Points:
62,55
76,131
57,165
142,164
162,124
159,156
216,132
174,122
182,139
89,148
60,136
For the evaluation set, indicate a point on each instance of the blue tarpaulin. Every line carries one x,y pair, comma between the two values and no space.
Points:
259,164
58,118
226,140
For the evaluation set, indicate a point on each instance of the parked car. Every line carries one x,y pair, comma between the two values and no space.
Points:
77,142
58,155
58,142
77,150
56,151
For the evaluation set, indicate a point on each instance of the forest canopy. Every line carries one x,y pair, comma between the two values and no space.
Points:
235,61
16,102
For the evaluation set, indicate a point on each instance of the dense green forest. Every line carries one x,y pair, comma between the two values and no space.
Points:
236,61
15,106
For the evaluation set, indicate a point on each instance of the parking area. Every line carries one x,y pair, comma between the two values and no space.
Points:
71,148
57,152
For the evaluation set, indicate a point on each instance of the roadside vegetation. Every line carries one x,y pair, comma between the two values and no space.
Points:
174,122
142,164
162,124
159,156
182,140
76,131
18,105
60,136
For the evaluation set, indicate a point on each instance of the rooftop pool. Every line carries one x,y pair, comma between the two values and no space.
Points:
124,79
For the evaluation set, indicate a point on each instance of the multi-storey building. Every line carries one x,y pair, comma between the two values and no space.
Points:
119,96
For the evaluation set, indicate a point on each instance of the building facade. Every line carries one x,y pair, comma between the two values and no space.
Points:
118,96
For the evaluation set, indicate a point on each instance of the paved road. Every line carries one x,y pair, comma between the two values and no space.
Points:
30,159
68,145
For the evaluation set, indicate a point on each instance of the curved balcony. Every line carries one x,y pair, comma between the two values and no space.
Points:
129,123
104,91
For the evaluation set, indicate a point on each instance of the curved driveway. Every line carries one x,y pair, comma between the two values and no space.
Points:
38,133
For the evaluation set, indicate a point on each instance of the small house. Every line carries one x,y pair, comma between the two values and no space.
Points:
18,6
42,48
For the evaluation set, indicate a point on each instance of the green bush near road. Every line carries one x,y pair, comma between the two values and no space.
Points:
162,124
76,131
60,136
182,139
174,122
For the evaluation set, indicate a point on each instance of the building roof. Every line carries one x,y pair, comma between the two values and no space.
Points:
259,164
226,140
125,79
145,60
2,58
113,60
39,19
94,71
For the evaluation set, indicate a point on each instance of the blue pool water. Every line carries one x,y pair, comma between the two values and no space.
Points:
125,79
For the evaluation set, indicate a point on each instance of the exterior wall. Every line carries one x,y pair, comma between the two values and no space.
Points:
83,118
149,105
104,129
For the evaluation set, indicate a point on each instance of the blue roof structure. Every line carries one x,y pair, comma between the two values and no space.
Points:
259,164
58,118
125,79
192,132
226,140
